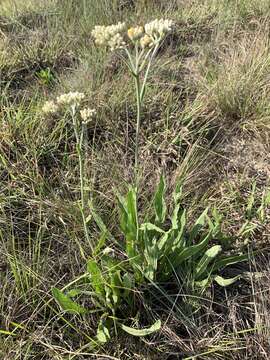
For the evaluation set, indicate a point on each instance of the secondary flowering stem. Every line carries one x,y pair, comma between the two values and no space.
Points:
138,123
79,134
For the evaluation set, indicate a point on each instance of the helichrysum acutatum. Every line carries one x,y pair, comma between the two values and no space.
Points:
71,98
111,36
87,114
114,36
49,107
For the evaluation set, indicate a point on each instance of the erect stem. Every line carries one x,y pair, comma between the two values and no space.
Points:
139,103
79,134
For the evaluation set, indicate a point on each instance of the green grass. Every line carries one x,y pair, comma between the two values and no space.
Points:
205,120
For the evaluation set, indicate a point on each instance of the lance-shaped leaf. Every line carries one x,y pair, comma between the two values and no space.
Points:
142,332
97,280
193,250
66,303
208,256
225,282
103,331
198,226
159,201
229,260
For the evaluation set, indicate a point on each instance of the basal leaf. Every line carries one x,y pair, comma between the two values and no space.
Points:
103,332
192,250
132,208
198,226
102,227
225,282
159,201
229,260
151,227
142,332
208,256
97,280
66,303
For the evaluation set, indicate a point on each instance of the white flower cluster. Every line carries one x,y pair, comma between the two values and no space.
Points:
135,33
49,107
111,36
71,98
146,41
148,35
87,114
158,28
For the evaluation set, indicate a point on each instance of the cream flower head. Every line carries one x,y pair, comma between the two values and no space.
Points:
49,107
71,98
111,36
135,33
157,29
146,41
87,114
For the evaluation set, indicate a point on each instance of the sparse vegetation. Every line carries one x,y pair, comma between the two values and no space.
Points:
135,230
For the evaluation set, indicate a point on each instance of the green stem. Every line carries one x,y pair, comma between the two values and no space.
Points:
139,105
79,134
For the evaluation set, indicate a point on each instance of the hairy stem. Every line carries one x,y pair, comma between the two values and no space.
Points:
138,122
79,134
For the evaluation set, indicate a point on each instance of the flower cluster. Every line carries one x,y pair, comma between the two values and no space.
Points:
87,114
146,41
135,33
49,107
147,35
111,36
71,98
157,29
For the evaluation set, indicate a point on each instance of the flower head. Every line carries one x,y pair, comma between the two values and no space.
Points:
135,33
116,42
157,29
111,36
71,98
49,107
146,41
87,114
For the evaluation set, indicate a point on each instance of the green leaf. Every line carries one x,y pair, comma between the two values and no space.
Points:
177,195
229,260
203,283
100,243
251,201
142,332
103,333
208,256
102,227
225,282
162,243
123,213
151,227
97,280
132,208
178,241
198,226
159,201
193,250
66,303
116,285
74,292
151,256
129,223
